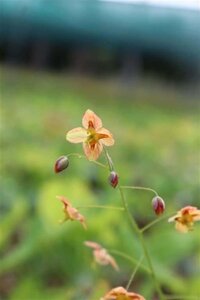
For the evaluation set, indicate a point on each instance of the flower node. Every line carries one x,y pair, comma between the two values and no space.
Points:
158,205
61,164
113,179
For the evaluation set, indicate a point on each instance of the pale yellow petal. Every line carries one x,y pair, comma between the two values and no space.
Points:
92,153
181,227
90,118
196,215
108,140
196,218
172,219
77,135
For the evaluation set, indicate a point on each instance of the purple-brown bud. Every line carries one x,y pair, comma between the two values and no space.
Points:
113,179
158,205
61,164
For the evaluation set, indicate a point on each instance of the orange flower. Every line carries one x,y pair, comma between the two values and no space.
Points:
185,218
101,255
71,213
92,135
119,293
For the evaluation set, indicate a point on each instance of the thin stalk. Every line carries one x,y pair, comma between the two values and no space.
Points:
182,297
139,188
154,222
133,273
136,228
101,206
140,235
92,161
109,160
131,259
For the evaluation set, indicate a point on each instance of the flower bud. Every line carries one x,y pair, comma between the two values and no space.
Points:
61,164
113,179
158,205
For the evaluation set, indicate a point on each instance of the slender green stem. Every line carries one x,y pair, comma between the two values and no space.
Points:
92,161
154,222
136,229
131,259
139,188
140,235
182,297
109,160
76,154
131,220
159,219
101,206
133,273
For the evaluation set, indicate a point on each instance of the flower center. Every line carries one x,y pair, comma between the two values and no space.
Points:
94,137
186,219
123,297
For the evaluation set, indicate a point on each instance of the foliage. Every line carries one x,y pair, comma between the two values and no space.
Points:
156,133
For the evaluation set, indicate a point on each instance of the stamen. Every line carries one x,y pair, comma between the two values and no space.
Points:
102,136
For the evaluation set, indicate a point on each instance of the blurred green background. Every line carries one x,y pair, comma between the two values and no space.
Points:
156,129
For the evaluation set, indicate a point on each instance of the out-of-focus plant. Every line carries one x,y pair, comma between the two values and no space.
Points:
94,138
156,145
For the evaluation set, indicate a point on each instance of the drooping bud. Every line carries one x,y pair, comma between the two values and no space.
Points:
158,205
113,179
61,164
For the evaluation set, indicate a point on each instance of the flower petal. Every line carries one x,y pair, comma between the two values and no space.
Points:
172,219
92,152
64,200
92,245
75,215
196,218
196,215
81,219
77,135
114,293
113,263
90,119
181,227
120,293
108,140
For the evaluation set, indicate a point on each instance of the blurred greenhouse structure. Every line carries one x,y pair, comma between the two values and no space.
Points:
112,34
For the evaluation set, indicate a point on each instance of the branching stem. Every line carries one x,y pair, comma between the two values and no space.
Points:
159,219
92,161
134,261
143,244
135,227
134,272
182,297
139,188
102,206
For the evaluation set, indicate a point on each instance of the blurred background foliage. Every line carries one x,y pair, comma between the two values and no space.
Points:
136,65
156,129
